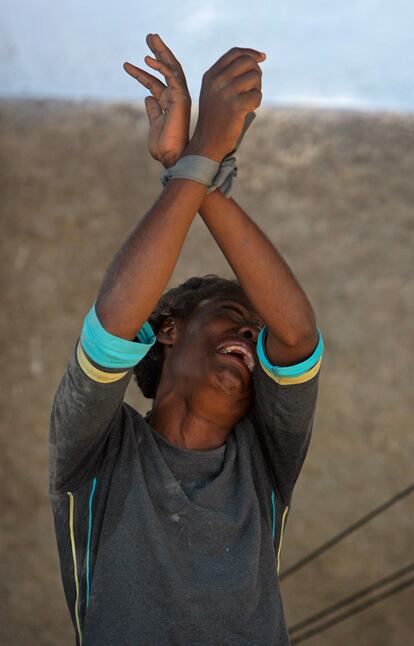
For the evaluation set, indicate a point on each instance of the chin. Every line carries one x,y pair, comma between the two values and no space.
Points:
231,383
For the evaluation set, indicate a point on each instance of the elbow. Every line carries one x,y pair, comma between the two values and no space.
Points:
308,341
307,336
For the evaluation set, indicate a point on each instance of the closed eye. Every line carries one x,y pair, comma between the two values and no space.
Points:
239,311
234,308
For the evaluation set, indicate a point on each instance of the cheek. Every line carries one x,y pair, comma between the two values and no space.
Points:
190,359
195,357
196,348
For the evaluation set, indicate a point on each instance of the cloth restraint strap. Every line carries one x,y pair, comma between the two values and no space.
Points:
207,171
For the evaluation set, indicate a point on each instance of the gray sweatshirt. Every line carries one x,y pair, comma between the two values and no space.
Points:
163,546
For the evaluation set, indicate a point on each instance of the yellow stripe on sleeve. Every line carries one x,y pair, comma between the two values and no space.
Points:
281,538
93,372
75,567
288,381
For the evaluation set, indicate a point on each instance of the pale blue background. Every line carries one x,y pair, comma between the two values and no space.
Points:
337,53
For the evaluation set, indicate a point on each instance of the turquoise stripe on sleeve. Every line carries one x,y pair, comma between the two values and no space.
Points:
273,514
288,371
111,351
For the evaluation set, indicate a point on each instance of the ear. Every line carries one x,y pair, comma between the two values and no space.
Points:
167,334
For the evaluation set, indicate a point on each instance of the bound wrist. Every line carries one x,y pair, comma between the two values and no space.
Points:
196,147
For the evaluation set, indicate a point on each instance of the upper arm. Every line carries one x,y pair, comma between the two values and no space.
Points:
88,401
284,408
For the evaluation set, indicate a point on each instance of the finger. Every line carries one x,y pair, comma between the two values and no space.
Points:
171,75
233,54
154,85
250,100
240,66
163,53
249,81
153,108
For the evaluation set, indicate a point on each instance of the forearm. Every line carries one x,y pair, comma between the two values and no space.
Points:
140,270
263,274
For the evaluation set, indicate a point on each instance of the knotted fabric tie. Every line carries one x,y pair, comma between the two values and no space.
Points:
207,171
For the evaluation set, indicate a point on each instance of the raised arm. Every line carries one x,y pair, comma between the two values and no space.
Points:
140,270
263,273
265,277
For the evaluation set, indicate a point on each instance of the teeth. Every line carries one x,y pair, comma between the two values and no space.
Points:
247,357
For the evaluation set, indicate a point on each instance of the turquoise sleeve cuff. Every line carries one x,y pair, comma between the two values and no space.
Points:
111,351
288,371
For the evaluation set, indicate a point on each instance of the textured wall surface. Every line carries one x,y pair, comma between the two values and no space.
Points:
334,192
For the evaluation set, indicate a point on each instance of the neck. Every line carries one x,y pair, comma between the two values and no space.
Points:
192,422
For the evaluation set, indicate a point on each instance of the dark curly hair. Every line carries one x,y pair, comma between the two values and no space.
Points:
178,302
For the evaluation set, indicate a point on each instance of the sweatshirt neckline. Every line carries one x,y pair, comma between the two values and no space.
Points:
209,453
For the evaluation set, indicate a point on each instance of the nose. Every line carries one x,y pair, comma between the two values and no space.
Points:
250,332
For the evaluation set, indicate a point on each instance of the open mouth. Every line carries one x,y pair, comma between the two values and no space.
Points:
238,353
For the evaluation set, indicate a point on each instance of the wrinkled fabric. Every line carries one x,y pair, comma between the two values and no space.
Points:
173,546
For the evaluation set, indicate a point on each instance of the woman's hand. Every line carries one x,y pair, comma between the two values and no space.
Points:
230,90
169,107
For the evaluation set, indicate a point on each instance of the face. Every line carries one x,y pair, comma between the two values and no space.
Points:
214,349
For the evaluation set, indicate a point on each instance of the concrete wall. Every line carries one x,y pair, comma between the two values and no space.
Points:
334,192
